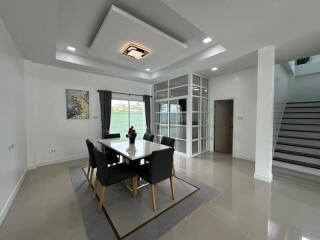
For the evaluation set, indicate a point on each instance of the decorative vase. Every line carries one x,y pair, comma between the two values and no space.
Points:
132,139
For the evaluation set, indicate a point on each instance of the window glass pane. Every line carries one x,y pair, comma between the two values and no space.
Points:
205,82
196,80
137,118
161,106
205,92
195,104
178,132
183,80
180,146
195,133
178,118
203,132
204,145
161,95
157,139
195,90
195,118
161,86
179,105
204,120
162,118
119,117
195,147
162,130
177,92
205,105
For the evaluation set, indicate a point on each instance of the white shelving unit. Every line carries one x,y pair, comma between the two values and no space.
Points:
181,112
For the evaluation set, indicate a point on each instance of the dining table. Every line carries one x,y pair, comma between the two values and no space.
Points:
133,153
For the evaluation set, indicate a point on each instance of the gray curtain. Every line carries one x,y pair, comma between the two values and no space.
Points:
147,110
105,106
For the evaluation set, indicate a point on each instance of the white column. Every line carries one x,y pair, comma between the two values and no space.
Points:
264,126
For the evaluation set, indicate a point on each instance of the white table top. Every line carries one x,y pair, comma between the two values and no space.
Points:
140,149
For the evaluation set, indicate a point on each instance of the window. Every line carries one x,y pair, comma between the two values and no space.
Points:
125,113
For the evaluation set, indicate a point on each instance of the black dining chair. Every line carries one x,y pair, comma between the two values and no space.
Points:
170,143
92,161
158,169
148,137
113,157
107,176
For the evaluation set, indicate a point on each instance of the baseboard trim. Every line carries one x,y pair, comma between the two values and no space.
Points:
4,211
267,179
61,160
243,157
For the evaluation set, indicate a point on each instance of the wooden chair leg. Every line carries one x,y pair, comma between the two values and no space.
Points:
91,174
103,191
88,172
95,188
153,195
173,170
134,186
173,195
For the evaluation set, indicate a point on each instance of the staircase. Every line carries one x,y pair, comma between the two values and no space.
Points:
299,136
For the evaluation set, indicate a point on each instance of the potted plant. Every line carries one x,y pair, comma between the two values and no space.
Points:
131,134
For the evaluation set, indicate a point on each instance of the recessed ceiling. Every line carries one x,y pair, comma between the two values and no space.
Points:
121,28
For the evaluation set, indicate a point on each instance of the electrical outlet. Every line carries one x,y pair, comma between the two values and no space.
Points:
11,147
52,150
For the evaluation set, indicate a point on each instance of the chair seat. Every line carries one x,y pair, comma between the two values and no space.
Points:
117,174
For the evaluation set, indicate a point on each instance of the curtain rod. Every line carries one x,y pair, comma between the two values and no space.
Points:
129,94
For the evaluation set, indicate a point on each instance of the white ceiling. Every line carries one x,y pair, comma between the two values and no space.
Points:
44,28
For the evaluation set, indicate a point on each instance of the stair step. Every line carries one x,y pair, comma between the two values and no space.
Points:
297,145
301,121
304,104
300,127
300,130
291,140
301,115
297,162
302,109
297,158
296,152
300,134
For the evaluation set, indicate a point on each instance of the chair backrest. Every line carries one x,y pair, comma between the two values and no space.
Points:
111,135
102,165
148,137
92,160
161,163
168,141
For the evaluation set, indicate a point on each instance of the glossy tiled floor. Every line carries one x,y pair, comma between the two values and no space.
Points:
46,207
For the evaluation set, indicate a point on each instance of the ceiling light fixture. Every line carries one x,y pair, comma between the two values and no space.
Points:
71,49
207,40
214,69
135,51
148,69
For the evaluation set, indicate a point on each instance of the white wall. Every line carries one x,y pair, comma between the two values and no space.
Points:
242,88
307,88
283,81
13,149
52,129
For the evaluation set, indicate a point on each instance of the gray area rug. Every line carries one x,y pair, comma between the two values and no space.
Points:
128,218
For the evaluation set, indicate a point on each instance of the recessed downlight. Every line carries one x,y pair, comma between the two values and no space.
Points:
214,69
148,69
71,49
207,40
